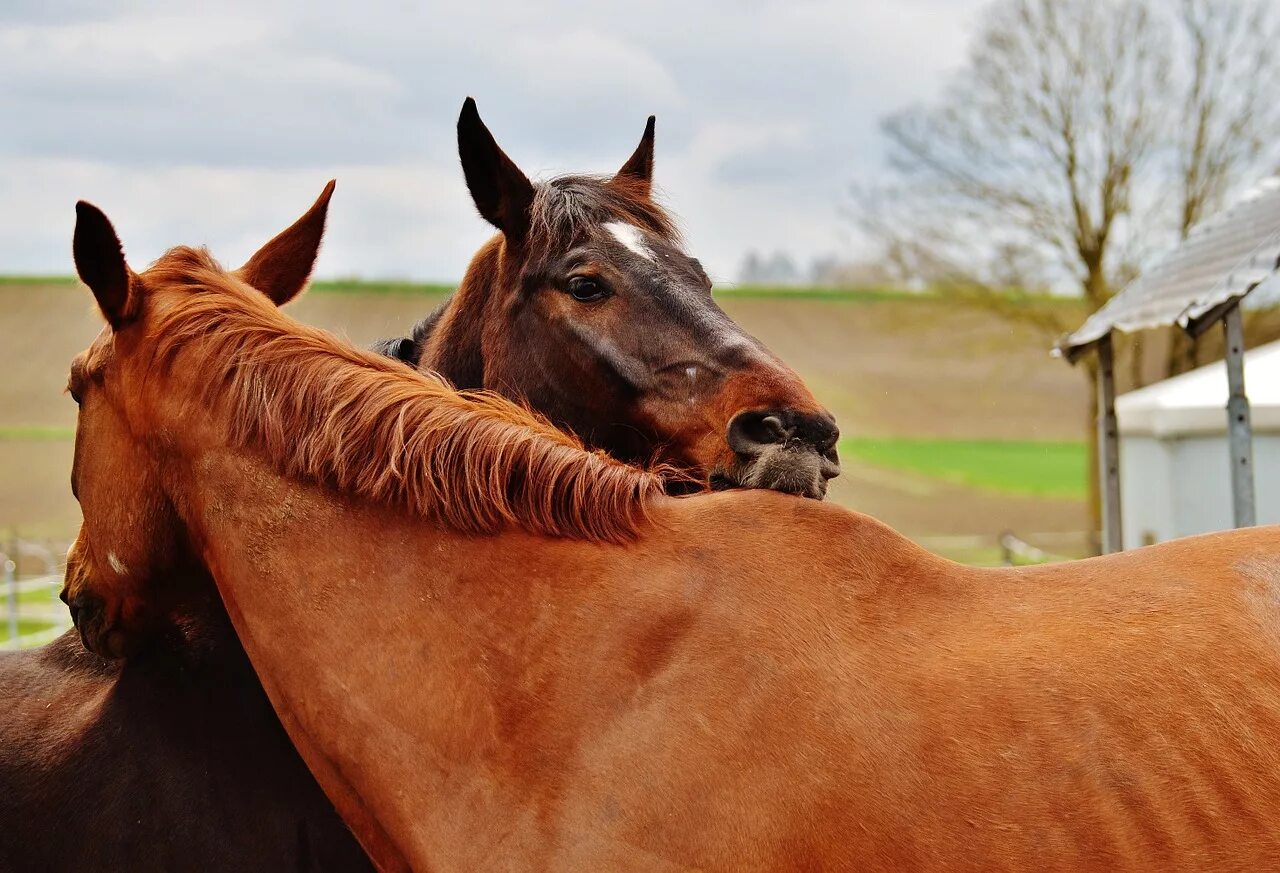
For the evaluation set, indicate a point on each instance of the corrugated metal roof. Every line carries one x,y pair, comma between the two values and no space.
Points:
1222,259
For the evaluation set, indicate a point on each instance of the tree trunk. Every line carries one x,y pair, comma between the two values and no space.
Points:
1182,353
1096,293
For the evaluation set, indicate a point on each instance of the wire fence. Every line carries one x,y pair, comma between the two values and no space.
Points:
31,577
1009,549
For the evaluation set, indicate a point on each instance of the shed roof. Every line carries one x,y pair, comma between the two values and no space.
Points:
1195,402
1223,259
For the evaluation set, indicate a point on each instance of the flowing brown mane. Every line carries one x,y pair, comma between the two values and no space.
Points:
325,411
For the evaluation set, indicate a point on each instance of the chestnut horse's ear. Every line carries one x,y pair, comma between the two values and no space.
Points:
501,192
639,167
100,262
280,269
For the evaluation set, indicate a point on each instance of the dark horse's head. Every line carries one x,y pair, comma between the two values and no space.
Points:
587,307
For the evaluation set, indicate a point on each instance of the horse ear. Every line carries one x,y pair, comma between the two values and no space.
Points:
501,192
639,167
100,262
280,269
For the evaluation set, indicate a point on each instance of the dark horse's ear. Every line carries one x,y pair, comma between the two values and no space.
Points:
280,269
100,262
639,167
501,192
401,348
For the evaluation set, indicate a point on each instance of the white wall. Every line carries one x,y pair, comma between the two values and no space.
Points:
1181,486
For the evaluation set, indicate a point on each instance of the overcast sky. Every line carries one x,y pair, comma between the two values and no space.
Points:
221,124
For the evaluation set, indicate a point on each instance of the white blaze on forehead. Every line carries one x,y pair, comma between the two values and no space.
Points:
631,237
117,564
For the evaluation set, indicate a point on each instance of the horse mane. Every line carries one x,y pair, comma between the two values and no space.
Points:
323,410
564,204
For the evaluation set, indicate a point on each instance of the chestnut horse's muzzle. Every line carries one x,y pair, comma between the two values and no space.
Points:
99,631
784,450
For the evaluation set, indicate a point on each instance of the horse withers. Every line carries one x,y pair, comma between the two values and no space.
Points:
510,653
586,306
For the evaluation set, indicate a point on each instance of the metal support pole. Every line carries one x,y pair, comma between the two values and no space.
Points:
1108,448
1239,426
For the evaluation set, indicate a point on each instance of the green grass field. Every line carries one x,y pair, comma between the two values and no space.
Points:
869,294
1032,468
35,433
25,626
362,286
36,605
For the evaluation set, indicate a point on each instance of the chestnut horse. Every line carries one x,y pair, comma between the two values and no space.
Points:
176,753
586,307
732,681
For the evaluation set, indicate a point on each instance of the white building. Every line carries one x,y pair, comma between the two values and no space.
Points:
1175,475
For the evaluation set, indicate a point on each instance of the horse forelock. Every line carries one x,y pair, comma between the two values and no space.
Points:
564,206
325,411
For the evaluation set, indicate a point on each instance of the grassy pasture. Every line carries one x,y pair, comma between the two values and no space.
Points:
25,626
1040,469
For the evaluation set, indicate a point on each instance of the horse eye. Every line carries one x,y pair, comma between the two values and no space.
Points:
586,290
72,391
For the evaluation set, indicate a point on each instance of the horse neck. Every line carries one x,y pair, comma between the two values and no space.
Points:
362,622
443,688
454,348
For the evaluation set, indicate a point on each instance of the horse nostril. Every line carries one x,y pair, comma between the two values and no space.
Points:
774,430
827,442
818,430
749,432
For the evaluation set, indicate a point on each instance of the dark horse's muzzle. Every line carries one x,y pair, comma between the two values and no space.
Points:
784,450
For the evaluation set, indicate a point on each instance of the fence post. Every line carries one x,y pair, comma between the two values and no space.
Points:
11,596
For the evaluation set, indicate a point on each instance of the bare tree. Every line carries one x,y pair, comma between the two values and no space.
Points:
1226,86
1230,111
1029,172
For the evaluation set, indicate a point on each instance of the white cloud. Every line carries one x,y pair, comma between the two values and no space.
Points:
218,125
403,217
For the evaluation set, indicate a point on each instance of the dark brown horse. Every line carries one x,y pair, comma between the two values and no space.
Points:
586,307
173,760
497,651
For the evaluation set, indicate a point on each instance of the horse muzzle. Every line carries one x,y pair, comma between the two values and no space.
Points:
782,450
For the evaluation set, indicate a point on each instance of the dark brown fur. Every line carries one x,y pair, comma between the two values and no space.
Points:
171,761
